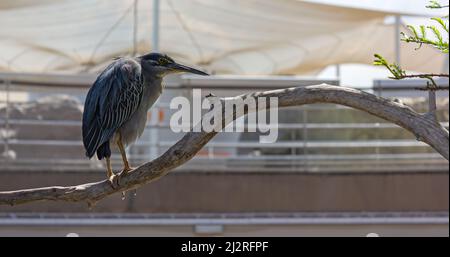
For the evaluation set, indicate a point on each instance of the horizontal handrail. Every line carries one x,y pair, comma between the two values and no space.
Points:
247,144
279,125
411,154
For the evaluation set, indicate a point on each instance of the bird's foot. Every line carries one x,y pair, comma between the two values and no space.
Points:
125,171
114,181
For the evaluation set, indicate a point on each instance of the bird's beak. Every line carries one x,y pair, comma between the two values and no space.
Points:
182,68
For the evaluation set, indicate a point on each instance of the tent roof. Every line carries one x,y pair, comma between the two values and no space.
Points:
224,36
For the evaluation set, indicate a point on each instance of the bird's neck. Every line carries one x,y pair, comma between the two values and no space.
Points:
152,90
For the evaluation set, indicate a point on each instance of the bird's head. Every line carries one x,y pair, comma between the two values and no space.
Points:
161,65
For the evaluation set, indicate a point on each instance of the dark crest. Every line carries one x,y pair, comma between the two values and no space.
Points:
157,57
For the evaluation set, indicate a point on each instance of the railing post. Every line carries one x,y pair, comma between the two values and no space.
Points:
397,39
210,152
7,127
135,28
153,133
305,137
293,138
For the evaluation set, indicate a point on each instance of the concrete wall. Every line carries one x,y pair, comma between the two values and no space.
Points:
213,192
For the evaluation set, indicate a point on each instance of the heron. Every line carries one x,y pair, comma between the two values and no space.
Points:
116,106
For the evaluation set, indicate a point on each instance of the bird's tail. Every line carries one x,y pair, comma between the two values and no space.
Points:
104,151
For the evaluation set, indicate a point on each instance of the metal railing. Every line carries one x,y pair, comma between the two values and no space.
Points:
177,219
313,138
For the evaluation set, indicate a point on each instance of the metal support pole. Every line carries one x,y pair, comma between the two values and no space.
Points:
338,73
7,117
154,118
155,27
135,27
397,39
305,138
445,66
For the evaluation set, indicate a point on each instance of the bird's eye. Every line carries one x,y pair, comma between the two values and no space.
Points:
162,61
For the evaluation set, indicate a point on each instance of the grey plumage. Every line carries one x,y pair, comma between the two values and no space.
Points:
110,103
116,105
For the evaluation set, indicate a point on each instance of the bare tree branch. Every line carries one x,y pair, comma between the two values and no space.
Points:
424,128
425,75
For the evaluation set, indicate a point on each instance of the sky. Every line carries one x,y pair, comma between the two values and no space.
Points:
363,75
406,6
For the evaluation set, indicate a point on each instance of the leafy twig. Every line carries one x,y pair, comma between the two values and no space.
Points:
426,75
398,73
436,5
421,38
394,68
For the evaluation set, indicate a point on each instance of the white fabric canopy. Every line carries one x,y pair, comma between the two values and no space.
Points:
223,36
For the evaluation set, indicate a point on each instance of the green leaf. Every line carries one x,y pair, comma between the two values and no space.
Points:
423,31
441,22
379,60
420,38
413,30
437,33
434,5
394,69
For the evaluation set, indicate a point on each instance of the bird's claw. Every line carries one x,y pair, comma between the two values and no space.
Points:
114,181
125,171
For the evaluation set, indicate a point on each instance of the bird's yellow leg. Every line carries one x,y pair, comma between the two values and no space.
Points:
113,179
109,172
126,165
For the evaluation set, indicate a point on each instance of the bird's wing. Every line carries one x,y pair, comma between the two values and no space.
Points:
110,102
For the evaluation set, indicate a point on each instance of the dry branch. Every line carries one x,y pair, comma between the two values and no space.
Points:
422,126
